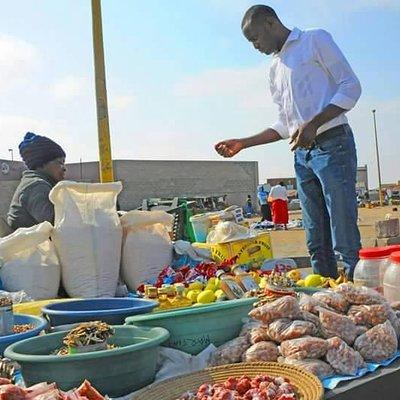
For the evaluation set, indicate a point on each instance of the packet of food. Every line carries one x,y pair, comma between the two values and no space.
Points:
343,358
284,307
306,347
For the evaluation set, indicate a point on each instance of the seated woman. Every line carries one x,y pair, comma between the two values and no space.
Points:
45,160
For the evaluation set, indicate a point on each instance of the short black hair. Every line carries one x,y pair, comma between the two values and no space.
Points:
281,183
258,12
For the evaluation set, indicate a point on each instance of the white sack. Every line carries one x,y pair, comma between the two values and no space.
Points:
147,246
30,263
87,235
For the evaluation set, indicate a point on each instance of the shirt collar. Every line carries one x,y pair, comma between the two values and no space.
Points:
293,36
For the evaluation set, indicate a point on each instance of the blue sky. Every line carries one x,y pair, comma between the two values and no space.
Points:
181,76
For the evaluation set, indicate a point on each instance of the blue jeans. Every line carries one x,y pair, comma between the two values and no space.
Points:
326,184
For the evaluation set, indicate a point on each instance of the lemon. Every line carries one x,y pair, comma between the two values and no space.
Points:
210,287
263,283
196,285
206,296
219,293
301,283
192,295
256,277
313,280
294,274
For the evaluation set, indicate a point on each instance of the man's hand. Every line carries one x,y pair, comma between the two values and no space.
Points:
229,148
304,136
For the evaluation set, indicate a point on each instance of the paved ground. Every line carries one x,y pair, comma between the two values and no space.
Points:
293,242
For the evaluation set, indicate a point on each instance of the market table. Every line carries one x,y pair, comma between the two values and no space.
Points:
383,384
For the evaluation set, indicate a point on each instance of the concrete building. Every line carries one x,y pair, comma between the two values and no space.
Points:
362,179
147,178
290,183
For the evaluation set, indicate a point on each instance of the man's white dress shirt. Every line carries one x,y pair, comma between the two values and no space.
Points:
309,73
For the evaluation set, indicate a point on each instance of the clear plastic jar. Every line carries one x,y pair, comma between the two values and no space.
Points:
371,268
391,280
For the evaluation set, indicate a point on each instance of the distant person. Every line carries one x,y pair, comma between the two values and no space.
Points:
264,205
45,160
248,208
278,199
314,87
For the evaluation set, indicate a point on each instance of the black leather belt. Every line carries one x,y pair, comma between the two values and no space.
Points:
329,134
324,136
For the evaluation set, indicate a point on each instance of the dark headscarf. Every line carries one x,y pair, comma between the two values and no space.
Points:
37,151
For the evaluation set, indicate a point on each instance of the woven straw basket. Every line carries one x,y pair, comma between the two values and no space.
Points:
308,386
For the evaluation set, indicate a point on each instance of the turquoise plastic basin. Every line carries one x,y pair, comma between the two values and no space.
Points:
39,324
192,329
114,372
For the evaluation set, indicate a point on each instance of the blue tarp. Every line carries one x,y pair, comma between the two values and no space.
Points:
333,381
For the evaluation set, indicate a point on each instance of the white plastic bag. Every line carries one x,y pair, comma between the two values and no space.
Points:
87,235
147,246
30,262
227,231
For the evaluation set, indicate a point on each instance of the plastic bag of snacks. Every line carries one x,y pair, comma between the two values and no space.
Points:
248,326
261,351
286,329
260,334
311,304
333,300
392,317
334,324
343,358
377,344
371,315
361,329
307,347
317,367
284,307
231,352
307,316
359,294
395,305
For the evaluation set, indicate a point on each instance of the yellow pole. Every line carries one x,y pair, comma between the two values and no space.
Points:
106,165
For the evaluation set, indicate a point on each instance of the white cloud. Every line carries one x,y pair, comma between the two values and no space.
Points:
70,87
18,61
247,87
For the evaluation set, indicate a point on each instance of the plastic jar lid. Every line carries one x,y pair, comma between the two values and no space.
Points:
394,247
395,257
374,252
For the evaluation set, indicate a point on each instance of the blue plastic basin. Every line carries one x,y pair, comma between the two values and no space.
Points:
110,310
21,319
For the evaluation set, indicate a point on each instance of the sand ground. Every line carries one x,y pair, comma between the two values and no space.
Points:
293,242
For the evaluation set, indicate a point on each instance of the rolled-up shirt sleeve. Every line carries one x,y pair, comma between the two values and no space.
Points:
280,125
330,57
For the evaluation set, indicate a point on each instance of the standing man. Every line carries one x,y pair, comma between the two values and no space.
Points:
263,200
279,205
314,86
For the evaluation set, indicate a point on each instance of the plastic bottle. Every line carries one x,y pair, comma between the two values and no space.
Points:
6,316
391,280
245,280
371,268
151,293
170,291
230,286
180,300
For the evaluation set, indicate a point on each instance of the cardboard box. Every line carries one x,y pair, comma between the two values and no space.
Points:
247,250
